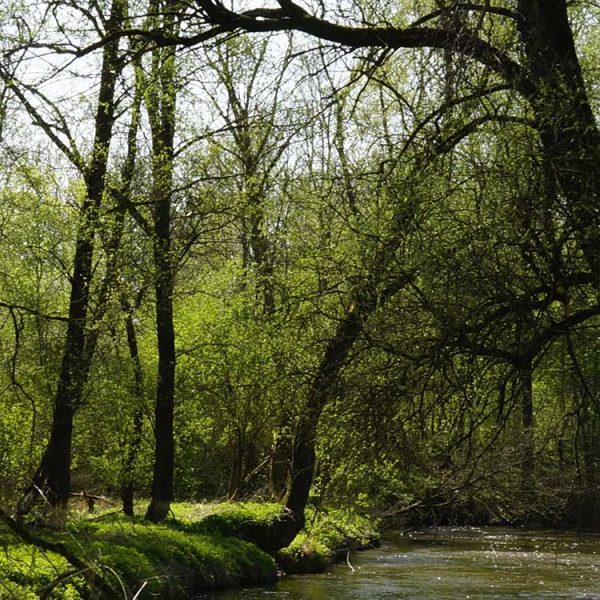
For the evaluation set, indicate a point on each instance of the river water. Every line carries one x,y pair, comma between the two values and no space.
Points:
453,563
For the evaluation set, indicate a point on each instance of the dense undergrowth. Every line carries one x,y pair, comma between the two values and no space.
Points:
201,547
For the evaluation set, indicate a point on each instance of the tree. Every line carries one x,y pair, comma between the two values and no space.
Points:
160,98
52,478
391,230
260,127
548,77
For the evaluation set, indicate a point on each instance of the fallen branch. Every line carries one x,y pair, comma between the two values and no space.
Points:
90,499
88,570
44,592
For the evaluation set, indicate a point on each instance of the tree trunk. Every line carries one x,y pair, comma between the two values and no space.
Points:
164,457
160,101
284,530
128,487
336,354
525,391
52,479
567,126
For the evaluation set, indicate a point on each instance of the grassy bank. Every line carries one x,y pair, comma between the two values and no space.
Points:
329,536
201,548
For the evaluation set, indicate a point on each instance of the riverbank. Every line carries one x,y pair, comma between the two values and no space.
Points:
202,547
455,563
330,536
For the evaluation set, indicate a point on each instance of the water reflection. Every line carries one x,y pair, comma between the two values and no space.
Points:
453,563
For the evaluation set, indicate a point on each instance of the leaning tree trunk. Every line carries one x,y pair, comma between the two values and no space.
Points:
380,284
365,300
335,356
283,531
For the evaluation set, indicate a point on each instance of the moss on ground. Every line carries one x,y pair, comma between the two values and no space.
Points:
197,550
328,536
173,560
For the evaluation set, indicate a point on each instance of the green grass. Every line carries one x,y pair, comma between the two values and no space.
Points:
243,520
173,560
24,569
201,548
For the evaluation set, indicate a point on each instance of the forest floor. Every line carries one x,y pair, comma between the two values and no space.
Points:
198,548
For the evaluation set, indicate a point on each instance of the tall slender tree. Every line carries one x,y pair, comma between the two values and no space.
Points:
52,479
161,93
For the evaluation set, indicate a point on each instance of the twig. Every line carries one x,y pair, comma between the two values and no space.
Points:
140,590
44,592
348,561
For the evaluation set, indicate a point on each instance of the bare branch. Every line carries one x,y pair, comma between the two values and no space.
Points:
33,311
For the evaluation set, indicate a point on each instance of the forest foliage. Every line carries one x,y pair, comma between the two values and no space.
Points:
348,256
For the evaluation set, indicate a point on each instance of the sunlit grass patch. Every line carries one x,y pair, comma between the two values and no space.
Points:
328,535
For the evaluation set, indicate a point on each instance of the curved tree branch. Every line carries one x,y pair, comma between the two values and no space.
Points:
90,572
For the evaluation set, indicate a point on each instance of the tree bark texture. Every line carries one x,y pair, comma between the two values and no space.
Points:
160,102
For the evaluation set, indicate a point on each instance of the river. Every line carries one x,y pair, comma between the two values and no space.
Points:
453,563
